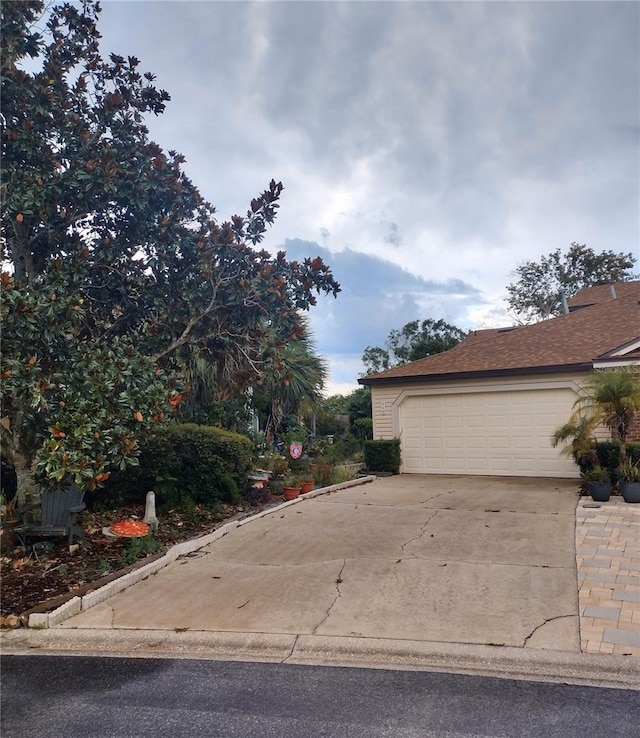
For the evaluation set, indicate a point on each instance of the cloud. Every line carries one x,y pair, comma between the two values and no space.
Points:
377,296
426,148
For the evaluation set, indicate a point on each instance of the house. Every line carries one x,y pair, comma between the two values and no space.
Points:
491,404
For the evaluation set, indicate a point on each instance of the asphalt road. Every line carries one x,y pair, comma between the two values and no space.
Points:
85,697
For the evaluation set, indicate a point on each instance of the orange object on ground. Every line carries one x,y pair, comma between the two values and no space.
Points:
130,528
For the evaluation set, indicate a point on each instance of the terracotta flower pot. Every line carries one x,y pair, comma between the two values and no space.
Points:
306,487
290,493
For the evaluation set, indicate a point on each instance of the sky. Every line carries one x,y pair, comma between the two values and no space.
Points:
426,148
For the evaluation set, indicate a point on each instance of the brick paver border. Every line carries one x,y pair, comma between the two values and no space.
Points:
608,564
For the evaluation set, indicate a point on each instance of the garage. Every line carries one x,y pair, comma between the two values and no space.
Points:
491,404
485,432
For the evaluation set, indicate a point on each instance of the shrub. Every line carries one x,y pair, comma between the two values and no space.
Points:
275,463
255,495
382,456
342,449
206,464
323,472
363,428
342,473
609,456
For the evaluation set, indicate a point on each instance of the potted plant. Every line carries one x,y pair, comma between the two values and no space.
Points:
279,467
291,488
598,483
306,486
629,477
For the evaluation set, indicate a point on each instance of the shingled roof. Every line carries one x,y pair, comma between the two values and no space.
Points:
600,328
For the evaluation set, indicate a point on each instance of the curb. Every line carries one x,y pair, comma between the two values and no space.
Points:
615,672
91,599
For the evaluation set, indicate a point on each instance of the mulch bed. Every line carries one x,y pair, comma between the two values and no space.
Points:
37,580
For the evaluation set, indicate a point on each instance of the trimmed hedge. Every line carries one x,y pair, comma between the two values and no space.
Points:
609,456
382,456
199,463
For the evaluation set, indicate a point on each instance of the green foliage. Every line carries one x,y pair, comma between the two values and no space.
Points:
342,474
206,464
337,404
628,472
80,408
363,428
123,278
612,399
382,455
342,449
579,441
608,453
537,293
356,405
609,457
138,548
274,463
596,476
359,404
413,341
293,377
327,423
323,472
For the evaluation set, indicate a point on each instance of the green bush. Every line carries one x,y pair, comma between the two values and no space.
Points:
609,456
342,473
363,428
203,464
323,471
342,449
382,456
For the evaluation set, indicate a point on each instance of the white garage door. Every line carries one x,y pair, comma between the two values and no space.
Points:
503,433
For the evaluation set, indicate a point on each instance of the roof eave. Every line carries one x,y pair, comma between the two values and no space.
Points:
484,374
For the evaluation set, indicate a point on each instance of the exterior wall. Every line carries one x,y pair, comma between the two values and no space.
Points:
382,402
634,430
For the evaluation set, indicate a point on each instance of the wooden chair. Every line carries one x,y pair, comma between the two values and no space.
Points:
58,511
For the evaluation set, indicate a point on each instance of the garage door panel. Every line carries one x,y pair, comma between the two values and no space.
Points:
499,443
493,432
477,443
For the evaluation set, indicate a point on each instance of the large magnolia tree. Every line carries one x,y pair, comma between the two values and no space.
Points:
117,271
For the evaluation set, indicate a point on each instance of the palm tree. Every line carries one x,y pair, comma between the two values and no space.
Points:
293,379
612,399
614,396
580,442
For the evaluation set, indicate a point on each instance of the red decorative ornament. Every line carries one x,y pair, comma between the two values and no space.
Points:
295,450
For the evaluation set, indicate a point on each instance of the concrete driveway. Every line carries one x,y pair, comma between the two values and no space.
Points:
465,560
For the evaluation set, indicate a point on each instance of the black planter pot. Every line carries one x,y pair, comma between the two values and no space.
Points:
600,491
630,491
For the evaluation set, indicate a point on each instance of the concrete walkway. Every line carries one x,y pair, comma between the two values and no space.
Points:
467,574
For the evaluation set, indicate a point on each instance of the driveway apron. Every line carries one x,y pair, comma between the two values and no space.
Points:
430,558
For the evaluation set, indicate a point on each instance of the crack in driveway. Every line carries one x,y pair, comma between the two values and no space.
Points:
417,537
545,622
339,581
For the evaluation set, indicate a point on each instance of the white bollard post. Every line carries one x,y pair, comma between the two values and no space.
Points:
150,511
